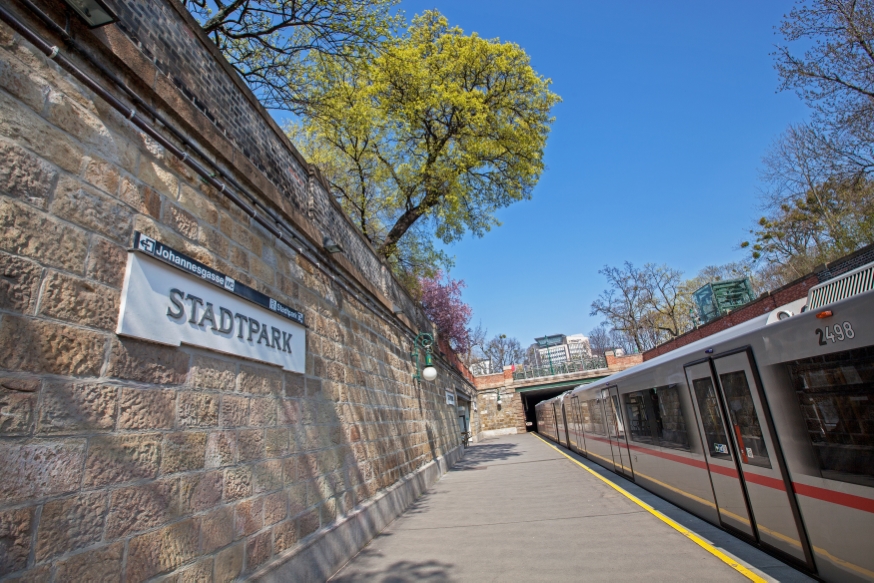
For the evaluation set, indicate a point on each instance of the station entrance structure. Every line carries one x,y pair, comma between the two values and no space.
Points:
506,400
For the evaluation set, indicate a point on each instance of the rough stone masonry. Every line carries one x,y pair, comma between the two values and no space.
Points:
125,460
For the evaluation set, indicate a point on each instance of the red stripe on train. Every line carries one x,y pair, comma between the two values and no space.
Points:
824,494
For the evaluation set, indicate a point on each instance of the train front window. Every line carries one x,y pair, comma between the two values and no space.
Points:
836,395
717,441
744,420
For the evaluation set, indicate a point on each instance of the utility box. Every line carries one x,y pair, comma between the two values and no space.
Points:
720,297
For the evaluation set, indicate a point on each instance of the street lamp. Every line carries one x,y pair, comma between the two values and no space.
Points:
425,341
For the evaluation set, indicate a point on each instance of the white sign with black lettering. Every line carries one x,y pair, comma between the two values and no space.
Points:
165,305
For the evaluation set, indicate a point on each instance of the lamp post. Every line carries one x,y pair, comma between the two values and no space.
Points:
425,341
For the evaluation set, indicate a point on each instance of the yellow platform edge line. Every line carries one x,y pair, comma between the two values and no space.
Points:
675,525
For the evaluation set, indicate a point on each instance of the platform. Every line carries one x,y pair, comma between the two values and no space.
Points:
518,508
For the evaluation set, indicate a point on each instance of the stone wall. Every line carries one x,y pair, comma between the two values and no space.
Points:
126,460
504,417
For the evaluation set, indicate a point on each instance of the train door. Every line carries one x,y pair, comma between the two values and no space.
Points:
616,431
556,415
760,457
581,434
728,486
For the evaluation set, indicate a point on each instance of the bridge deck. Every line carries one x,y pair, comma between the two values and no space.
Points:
516,509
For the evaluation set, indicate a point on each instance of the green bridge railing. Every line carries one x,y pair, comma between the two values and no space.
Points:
531,372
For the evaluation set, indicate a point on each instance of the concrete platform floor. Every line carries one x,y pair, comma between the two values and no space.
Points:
516,509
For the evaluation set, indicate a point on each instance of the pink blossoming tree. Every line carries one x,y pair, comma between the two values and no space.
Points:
441,299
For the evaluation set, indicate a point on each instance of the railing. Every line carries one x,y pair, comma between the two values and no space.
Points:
530,372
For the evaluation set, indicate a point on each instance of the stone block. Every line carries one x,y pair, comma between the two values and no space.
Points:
89,208
79,301
199,572
199,205
19,283
284,536
147,362
40,469
22,82
25,176
100,565
297,498
202,490
248,517
18,401
106,262
238,483
28,128
39,574
181,221
70,523
212,373
101,174
141,198
259,549
197,409
251,444
138,508
217,529
268,476
308,523
275,507
183,452
26,231
221,449
295,386
146,409
234,411
260,381
162,550
288,412
276,442
15,535
262,411
77,407
159,178
229,563
115,459
47,347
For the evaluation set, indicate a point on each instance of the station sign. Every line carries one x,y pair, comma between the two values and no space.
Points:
172,299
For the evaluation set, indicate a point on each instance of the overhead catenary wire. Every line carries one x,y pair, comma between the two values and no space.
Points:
215,176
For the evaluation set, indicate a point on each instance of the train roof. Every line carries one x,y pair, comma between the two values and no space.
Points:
698,347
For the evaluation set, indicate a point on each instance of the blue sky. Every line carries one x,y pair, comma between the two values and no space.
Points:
654,156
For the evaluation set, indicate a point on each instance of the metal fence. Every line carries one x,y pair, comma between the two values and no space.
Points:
530,372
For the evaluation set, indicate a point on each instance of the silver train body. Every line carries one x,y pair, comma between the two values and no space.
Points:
765,429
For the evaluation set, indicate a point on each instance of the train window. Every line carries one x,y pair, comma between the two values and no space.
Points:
588,426
636,405
670,423
836,394
744,419
705,394
597,415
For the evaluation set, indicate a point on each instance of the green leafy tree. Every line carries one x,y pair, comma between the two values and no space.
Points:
428,137
271,43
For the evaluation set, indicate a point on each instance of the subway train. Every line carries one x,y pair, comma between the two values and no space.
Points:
765,429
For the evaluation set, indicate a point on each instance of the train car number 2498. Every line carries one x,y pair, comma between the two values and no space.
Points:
835,333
